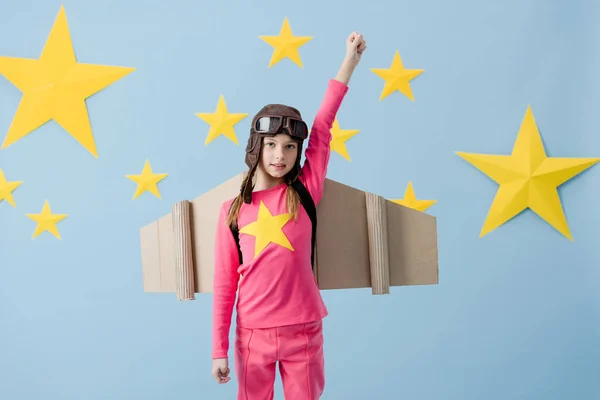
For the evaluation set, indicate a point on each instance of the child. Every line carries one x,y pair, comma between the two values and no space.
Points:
279,309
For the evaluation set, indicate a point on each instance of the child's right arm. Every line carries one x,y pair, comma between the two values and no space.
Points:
225,282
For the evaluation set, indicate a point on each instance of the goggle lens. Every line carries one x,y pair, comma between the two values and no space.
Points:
273,124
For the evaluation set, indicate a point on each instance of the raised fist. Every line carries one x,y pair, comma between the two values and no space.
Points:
355,46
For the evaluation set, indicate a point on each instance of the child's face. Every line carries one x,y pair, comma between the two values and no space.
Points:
278,155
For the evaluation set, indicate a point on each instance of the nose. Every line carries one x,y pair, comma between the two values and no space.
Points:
279,154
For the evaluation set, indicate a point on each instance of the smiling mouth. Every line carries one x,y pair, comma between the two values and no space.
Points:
278,165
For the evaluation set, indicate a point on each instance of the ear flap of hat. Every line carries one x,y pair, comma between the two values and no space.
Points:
253,150
247,188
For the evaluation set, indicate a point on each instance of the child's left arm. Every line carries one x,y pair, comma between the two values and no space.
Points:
355,46
318,150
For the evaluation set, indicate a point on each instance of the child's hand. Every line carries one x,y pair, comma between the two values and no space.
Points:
355,46
220,370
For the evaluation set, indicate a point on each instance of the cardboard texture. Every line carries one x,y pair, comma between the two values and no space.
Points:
363,240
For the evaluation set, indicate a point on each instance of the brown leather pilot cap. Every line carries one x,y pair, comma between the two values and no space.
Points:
282,119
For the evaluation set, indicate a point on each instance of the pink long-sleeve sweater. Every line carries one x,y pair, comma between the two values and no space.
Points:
275,285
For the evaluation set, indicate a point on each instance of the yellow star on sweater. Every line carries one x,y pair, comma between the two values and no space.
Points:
286,45
267,229
397,78
528,179
410,200
6,189
46,221
147,181
55,87
339,138
221,122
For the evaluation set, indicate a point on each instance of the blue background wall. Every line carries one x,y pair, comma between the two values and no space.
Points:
516,314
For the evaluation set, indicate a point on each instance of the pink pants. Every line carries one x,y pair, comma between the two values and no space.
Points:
299,350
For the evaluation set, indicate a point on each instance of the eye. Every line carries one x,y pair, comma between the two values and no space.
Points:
291,146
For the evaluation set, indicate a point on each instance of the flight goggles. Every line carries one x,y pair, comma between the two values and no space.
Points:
273,124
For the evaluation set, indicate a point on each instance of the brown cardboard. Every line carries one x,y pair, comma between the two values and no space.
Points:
363,240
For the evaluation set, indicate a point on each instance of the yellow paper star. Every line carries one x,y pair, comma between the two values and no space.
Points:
46,221
410,200
268,229
221,122
397,78
286,45
6,189
528,179
339,138
147,181
55,87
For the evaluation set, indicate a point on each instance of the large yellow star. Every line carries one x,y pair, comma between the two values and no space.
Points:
339,138
55,87
286,45
221,122
267,229
397,78
46,221
410,200
147,181
6,189
528,179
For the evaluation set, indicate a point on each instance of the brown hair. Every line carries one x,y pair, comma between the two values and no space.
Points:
292,197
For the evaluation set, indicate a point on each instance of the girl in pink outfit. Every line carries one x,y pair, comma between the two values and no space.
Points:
279,305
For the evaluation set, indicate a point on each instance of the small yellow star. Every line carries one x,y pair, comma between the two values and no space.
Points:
147,181
6,189
528,178
46,221
397,78
410,200
268,229
221,122
339,138
286,45
55,87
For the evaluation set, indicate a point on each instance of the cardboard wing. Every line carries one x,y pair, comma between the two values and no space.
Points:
363,240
